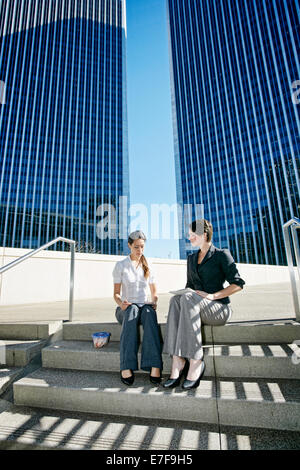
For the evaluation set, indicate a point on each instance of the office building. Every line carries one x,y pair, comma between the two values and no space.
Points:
63,125
234,68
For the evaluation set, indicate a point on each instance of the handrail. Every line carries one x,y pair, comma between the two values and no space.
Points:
31,253
293,224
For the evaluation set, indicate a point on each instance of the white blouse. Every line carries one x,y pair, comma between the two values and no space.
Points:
134,287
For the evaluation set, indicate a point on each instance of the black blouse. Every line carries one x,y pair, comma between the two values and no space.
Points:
209,276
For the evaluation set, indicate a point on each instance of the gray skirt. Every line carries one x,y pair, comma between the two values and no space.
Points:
187,312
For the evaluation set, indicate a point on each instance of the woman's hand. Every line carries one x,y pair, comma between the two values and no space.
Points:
154,297
154,302
229,290
124,304
205,295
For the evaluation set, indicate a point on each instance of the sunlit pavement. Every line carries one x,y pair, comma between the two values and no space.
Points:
263,302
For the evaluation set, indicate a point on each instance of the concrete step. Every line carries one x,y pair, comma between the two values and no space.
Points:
7,376
18,353
29,330
276,332
255,403
23,428
265,361
278,361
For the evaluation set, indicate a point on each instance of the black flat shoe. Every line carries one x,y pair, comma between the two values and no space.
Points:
172,383
189,384
127,380
154,380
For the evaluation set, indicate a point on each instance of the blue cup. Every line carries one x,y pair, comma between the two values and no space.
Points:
100,339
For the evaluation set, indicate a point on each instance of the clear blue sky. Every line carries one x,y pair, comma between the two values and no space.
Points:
150,132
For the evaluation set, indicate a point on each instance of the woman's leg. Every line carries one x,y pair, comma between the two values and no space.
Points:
178,364
129,319
183,329
197,311
151,345
170,342
172,326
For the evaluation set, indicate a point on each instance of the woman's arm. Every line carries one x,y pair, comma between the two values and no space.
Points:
117,296
232,276
229,290
189,282
153,295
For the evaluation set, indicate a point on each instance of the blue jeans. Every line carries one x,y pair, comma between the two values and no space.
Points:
130,319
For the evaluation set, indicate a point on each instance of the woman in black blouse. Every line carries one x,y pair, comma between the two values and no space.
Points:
208,302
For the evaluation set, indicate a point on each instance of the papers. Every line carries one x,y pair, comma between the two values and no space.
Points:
181,291
140,305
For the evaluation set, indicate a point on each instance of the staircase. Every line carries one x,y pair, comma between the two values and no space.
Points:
251,378
20,344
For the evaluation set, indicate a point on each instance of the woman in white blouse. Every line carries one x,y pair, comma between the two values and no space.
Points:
132,276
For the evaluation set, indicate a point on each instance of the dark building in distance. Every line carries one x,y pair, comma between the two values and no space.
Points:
63,126
236,124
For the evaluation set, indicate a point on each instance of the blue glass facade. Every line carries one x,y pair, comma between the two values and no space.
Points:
63,126
236,127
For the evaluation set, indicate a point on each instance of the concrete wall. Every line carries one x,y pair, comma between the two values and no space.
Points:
45,277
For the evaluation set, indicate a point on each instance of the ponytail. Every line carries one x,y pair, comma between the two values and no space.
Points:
145,267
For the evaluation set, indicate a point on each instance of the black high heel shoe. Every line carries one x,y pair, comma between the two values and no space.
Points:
189,384
155,380
172,383
127,380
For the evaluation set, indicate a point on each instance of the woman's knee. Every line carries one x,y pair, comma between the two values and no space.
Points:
174,309
186,298
119,314
174,304
131,313
175,299
148,312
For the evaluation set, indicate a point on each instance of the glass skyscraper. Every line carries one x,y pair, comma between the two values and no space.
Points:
63,126
234,64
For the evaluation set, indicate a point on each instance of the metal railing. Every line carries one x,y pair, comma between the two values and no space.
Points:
293,225
34,252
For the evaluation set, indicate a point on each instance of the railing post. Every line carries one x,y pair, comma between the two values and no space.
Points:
293,223
71,300
32,253
294,229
